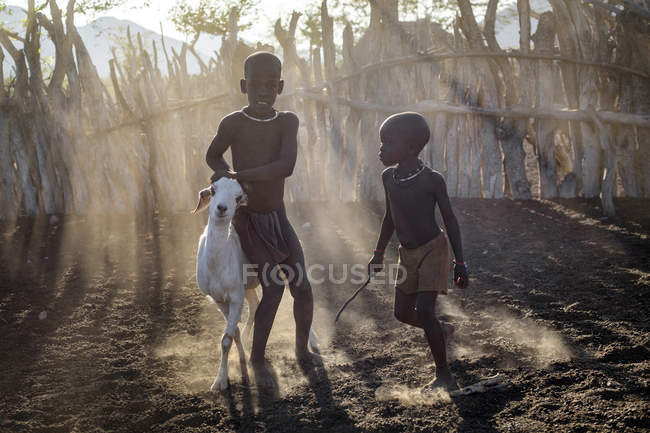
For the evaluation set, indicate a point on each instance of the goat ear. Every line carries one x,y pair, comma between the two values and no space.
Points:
204,200
243,201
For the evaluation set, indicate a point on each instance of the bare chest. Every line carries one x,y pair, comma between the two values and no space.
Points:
412,197
255,144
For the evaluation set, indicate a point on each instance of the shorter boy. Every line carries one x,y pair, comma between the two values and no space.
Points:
412,192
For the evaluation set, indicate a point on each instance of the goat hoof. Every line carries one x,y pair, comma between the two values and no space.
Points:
220,384
313,341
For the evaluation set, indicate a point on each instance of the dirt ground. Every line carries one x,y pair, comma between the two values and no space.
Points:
103,328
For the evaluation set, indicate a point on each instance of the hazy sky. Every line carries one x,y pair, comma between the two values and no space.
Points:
269,11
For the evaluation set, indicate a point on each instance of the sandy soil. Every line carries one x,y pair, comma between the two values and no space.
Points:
102,328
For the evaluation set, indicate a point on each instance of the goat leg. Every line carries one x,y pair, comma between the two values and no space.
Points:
253,302
221,381
233,313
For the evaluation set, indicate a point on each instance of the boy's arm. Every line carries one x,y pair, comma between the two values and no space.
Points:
453,229
283,166
214,156
387,229
451,223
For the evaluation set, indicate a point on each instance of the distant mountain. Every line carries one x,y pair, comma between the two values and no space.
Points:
100,36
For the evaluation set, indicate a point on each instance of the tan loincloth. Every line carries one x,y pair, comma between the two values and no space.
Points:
426,267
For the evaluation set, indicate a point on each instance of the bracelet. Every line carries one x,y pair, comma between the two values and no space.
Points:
463,264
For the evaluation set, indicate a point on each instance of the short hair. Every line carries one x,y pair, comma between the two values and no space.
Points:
408,125
262,57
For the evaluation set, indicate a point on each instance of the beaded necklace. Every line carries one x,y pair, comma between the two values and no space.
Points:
275,116
410,175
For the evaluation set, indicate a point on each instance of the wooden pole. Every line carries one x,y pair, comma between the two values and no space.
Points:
321,121
545,130
352,121
581,16
335,161
608,187
639,120
298,183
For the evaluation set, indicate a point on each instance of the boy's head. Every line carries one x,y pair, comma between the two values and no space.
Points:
261,82
402,135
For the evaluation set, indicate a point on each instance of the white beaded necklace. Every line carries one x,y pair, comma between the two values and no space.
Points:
409,175
275,116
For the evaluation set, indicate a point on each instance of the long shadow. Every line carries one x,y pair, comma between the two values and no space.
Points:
30,282
579,273
333,248
151,297
43,294
477,411
330,411
600,277
301,413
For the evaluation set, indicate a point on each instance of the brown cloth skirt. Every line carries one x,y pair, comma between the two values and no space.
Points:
425,268
261,236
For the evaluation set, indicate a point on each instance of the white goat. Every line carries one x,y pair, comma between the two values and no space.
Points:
219,270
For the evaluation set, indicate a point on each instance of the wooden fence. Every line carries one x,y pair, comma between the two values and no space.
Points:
581,110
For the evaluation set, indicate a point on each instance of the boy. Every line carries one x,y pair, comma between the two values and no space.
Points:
412,192
264,146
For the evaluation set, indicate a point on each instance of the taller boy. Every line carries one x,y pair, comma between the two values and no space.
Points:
264,146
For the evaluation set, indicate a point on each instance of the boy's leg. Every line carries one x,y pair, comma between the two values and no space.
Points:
303,313
406,312
433,330
303,300
405,308
272,290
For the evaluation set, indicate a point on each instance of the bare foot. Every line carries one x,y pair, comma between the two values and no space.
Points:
309,359
441,383
265,376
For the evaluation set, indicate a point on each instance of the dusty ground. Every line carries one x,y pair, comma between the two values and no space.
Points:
559,303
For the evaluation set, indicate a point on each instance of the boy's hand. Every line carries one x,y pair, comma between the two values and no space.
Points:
222,173
376,263
460,275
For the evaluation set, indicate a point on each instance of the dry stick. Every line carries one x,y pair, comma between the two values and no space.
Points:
118,95
426,57
170,69
640,120
206,101
351,298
